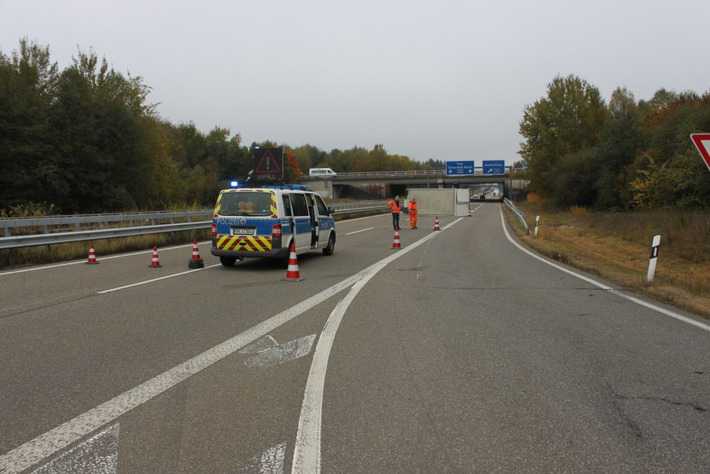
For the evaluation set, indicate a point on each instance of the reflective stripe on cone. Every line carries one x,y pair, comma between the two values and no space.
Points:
293,273
196,261
92,256
155,259
395,242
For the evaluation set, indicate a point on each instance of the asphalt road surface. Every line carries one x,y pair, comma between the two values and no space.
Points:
458,353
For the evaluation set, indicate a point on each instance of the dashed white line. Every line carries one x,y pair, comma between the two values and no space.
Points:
153,280
73,430
591,281
359,231
307,449
363,218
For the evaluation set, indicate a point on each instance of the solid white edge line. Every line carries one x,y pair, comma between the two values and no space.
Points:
359,231
598,284
307,448
152,280
110,257
45,445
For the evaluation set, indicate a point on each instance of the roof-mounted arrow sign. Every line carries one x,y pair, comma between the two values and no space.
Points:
702,143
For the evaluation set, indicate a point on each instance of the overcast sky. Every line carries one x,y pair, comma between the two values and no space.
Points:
430,79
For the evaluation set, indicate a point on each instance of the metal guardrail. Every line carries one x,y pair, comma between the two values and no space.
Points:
44,224
366,174
439,173
353,204
77,220
21,241
520,214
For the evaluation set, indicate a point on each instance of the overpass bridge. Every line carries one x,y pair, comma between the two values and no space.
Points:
388,183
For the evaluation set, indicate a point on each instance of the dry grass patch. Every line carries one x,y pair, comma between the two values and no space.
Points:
616,246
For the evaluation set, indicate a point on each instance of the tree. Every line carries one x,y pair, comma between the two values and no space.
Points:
621,140
569,119
28,80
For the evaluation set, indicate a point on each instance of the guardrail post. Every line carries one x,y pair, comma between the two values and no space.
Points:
7,231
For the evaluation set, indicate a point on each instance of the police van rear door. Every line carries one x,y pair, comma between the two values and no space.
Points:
302,220
246,220
326,223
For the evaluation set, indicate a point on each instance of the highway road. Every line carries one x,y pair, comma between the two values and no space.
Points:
458,353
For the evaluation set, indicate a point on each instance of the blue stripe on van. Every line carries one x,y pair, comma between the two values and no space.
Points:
263,225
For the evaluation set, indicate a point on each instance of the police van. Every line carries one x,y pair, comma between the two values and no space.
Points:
262,222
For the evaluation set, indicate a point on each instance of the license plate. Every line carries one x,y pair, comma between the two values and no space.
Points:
242,231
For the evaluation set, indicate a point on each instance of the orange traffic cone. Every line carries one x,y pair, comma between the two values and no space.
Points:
155,259
395,242
436,224
196,261
293,274
92,255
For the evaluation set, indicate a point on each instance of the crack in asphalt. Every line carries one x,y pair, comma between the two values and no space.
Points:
632,425
15,311
692,405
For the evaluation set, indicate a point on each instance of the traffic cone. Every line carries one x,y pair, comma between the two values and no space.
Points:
395,241
436,224
155,259
196,261
92,256
293,274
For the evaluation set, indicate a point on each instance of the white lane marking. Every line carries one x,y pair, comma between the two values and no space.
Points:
282,353
73,430
307,449
270,461
361,230
152,280
100,258
363,218
263,344
98,454
591,281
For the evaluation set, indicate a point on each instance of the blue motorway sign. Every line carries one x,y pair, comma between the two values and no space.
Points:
494,167
459,168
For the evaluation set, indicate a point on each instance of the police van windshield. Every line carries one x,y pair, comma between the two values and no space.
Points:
245,203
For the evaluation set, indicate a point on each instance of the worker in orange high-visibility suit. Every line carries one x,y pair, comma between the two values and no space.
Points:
412,213
395,209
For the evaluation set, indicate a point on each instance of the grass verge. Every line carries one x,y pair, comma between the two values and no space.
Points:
616,247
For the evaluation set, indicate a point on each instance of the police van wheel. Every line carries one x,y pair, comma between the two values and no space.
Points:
228,261
331,246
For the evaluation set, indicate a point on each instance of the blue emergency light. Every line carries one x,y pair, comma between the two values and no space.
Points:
234,184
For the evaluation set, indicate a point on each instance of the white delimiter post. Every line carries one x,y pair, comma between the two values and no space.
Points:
655,245
537,225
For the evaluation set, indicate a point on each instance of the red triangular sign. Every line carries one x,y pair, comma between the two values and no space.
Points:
268,165
702,143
